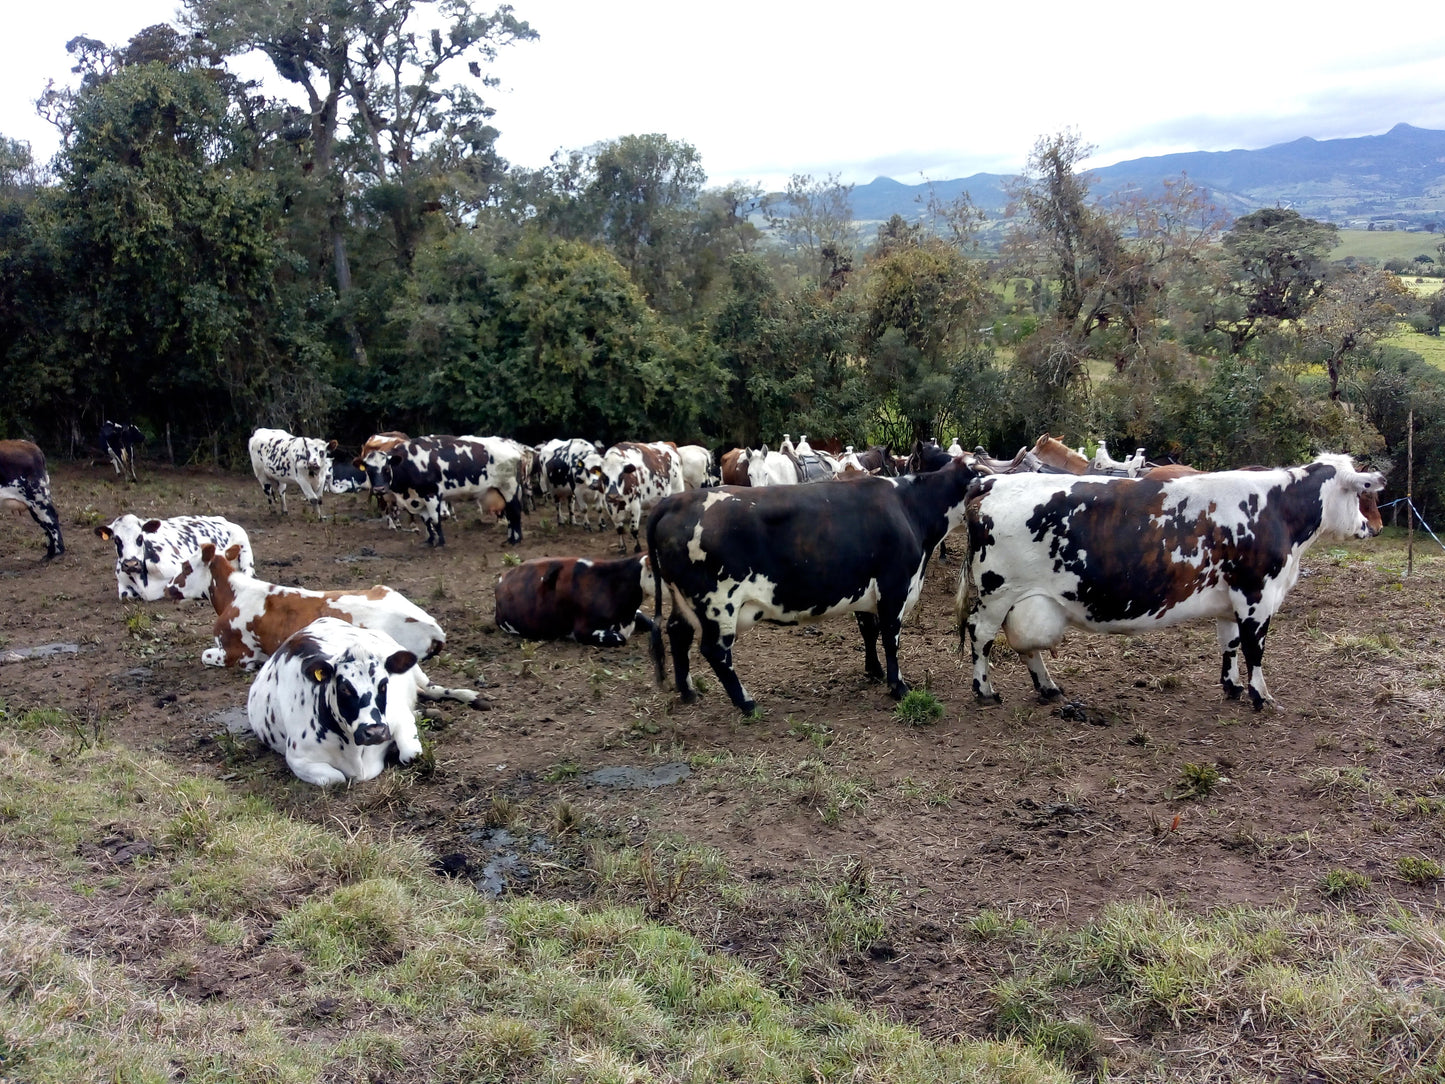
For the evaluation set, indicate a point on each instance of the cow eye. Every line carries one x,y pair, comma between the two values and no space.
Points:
381,695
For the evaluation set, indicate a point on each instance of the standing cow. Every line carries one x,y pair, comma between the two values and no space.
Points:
159,558
562,464
733,556
1128,555
335,700
632,478
119,440
426,472
24,481
278,458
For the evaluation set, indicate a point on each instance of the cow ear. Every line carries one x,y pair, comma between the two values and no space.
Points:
104,533
208,552
233,552
151,526
631,468
400,662
331,446
319,671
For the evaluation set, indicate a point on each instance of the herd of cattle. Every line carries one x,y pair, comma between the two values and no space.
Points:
1056,539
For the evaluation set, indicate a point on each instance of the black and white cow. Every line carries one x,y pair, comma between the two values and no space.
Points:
119,441
426,472
632,478
161,558
561,464
346,478
24,482
1126,555
733,556
278,458
590,601
335,700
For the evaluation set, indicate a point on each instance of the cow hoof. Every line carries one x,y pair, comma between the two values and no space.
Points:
992,700
1233,692
875,676
899,691
688,696
1049,696
749,708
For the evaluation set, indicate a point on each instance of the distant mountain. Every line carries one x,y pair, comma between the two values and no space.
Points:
1395,180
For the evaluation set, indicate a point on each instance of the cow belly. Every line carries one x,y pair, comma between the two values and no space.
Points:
740,604
1039,619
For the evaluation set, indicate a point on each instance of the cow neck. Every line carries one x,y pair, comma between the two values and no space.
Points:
930,496
223,595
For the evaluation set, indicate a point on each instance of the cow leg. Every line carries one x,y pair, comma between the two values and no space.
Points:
983,625
42,511
1251,644
679,637
890,625
513,510
716,647
868,626
313,771
1043,683
281,491
1228,634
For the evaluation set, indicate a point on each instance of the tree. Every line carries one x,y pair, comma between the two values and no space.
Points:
1354,311
1271,269
814,219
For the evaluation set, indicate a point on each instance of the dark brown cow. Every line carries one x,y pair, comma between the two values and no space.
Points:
590,601
24,482
734,473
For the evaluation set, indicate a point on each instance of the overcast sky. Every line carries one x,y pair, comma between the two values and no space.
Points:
898,89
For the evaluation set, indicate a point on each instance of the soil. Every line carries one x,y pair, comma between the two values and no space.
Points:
1045,812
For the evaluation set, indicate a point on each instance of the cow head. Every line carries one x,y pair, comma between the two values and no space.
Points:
1350,506
135,552
353,691
214,565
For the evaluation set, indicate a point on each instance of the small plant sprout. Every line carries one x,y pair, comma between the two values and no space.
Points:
1419,870
919,708
1339,883
1197,780
511,560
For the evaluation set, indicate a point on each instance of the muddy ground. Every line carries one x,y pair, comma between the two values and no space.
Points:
1025,809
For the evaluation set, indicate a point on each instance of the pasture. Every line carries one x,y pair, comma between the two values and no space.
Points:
593,881
1385,245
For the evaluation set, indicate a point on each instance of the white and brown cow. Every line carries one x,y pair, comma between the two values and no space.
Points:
427,472
699,469
632,478
562,464
278,458
335,700
158,558
1127,555
24,482
590,601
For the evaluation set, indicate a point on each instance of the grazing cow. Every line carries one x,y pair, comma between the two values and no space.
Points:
698,468
158,558
254,618
563,466
336,700
278,458
426,472
119,441
24,482
1126,555
730,557
592,601
632,478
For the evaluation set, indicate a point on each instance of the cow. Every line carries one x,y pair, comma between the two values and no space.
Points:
278,458
730,557
336,700
24,482
158,558
590,601
733,466
254,618
698,467
562,464
632,478
1127,555
119,441
346,478
426,472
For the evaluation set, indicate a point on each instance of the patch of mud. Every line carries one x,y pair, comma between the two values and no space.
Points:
44,651
634,777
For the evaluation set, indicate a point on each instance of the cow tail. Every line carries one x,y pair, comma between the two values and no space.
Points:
967,596
659,662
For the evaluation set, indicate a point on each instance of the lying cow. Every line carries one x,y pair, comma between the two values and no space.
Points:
278,458
335,700
25,483
731,557
1127,555
426,472
632,478
158,558
591,601
119,441
254,618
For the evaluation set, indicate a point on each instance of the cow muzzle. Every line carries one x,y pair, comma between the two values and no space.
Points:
373,733
132,566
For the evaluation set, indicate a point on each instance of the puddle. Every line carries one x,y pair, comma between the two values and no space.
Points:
235,719
505,866
636,778
44,651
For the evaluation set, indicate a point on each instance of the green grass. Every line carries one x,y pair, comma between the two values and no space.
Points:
919,707
1429,347
1385,245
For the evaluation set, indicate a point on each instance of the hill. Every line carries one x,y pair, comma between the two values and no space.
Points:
1393,181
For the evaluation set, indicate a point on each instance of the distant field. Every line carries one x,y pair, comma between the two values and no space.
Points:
1429,347
1386,244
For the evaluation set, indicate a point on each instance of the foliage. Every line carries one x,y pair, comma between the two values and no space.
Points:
919,707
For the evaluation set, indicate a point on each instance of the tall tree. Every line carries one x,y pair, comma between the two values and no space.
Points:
814,219
1354,311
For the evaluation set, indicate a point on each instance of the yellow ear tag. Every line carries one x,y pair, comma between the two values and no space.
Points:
319,674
